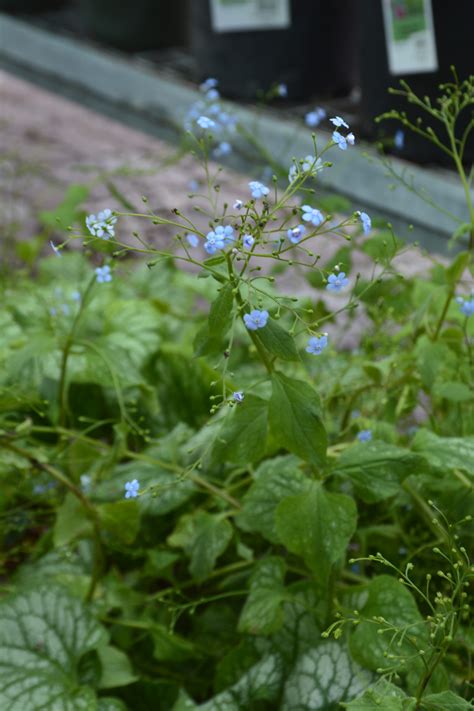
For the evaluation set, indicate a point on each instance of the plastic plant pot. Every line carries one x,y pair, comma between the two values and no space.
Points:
452,24
314,55
135,25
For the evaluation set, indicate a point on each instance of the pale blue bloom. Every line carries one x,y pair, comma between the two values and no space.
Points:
337,282
193,185
238,396
311,214
223,149
55,249
214,109
350,138
65,309
103,274
309,165
317,344
339,140
131,489
399,139
338,121
209,83
314,118
466,306
212,95
256,319
282,90
247,241
364,436
205,122
192,239
76,296
258,190
366,221
102,225
238,205
219,238
86,482
295,234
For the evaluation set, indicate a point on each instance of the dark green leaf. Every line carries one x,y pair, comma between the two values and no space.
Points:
277,341
220,315
243,434
262,613
204,537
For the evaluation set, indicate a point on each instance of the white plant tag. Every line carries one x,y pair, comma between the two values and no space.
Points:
238,15
409,36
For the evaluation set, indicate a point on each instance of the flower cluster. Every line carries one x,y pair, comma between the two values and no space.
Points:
220,238
306,167
102,225
314,118
209,114
258,190
341,141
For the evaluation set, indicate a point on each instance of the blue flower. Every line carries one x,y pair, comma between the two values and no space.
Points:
55,249
205,122
209,83
338,121
466,306
76,296
366,221
86,481
296,233
192,239
256,319
337,282
258,190
131,489
238,205
311,214
103,274
399,139
212,95
223,149
247,241
102,225
339,140
238,396
364,436
350,138
282,90
193,185
317,344
314,118
309,165
220,238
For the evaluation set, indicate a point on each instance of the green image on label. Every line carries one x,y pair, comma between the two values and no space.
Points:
408,17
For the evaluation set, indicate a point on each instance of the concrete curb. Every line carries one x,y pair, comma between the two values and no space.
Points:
141,88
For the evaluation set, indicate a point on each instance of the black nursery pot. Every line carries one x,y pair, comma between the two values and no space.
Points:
315,55
453,24
26,6
135,25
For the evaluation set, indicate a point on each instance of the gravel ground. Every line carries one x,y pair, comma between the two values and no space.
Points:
48,143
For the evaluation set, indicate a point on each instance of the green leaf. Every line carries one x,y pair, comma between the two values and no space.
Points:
391,600
120,519
72,521
317,526
277,341
432,359
243,434
383,696
455,270
43,635
453,391
107,703
377,468
262,613
220,314
444,453
321,678
67,212
445,701
116,669
170,647
275,479
295,419
204,537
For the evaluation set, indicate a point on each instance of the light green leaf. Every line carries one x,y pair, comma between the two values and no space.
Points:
120,519
391,600
383,696
168,646
274,480
204,537
445,701
116,669
295,419
277,341
445,452
262,613
107,703
243,434
323,677
317,526
376,468
453,391
72,521
433,359
43,635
